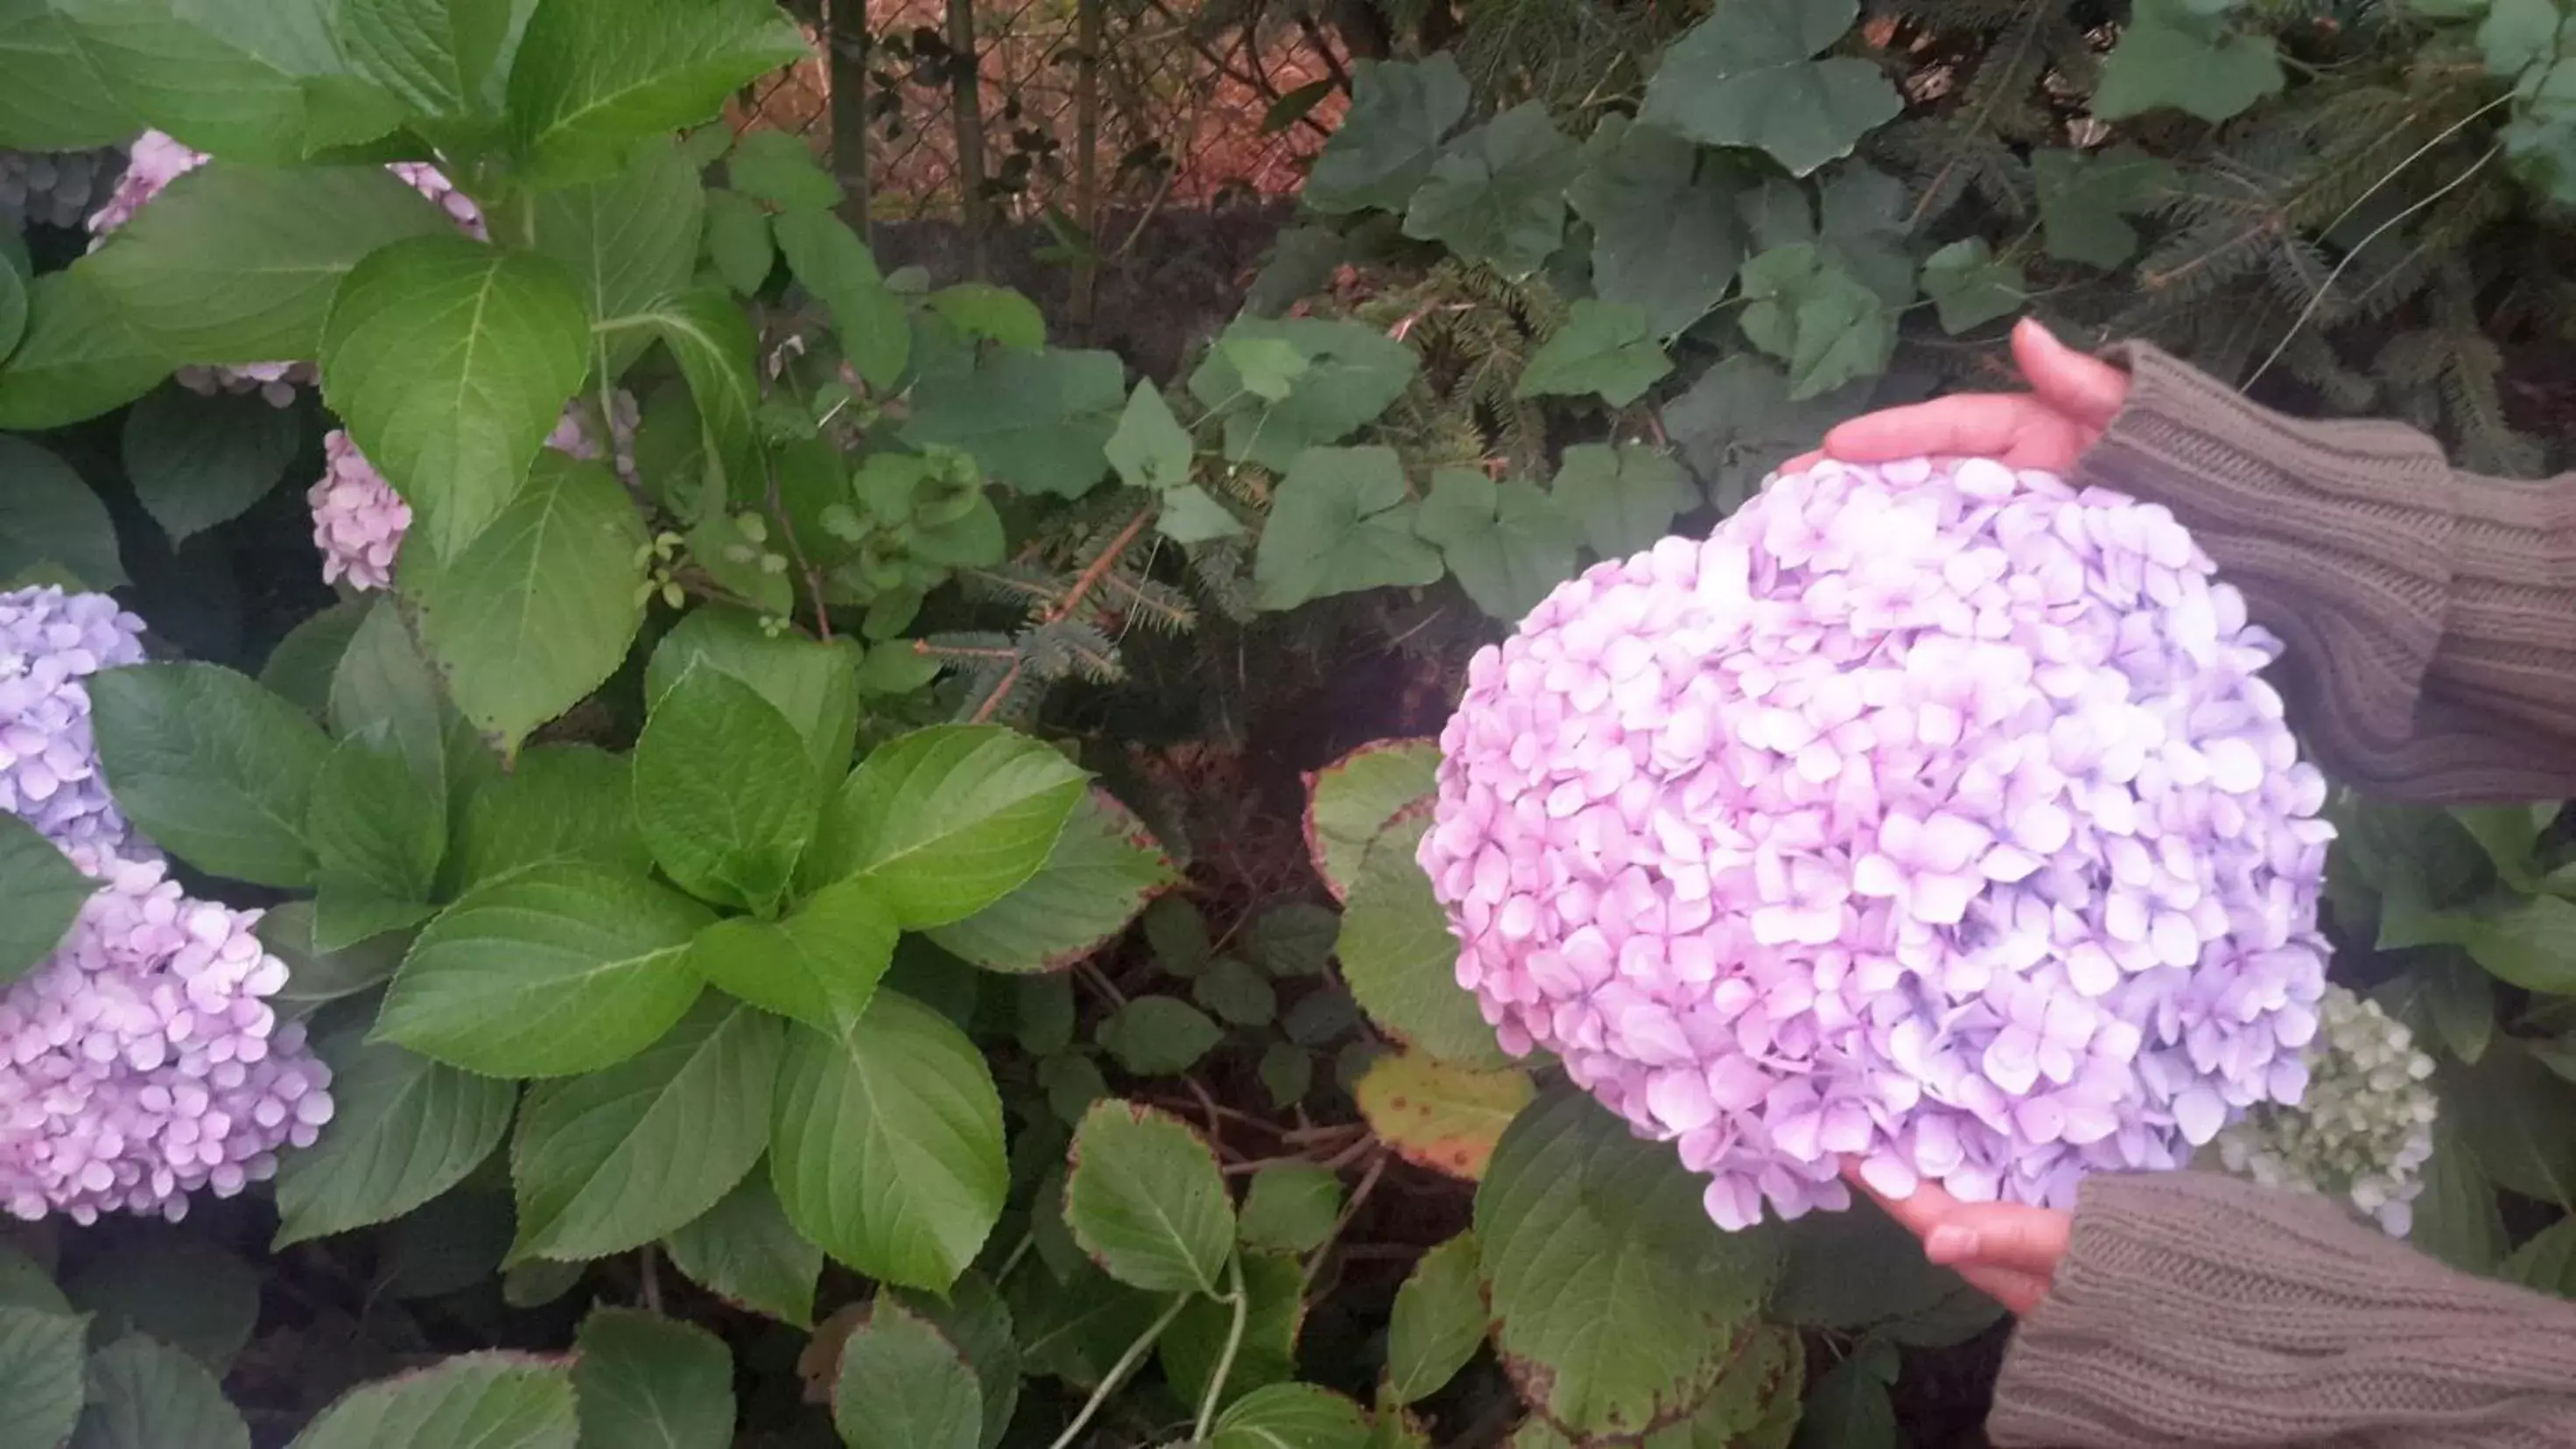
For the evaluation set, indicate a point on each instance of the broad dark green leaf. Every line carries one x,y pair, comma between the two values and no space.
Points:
2181,54
745,1251
558,802
1291,1207
1282,387
995,314
2520,1131
2456,1221
25,1283
1849,1407
886,1146
190,1295
836,266
449,362
1039,422
819,965
627,241
725,790
40,1376
1664,237
1340,522
1237,992
813,683
485,1400
236,263
553,971
1497,194
1826,324
255,80
49,100
1748,76
382,684
903,1385
1616,1301
2086,196
403,1130
1100,873
593,77
1291,1416
975,1319
1602,349
1400,960
614,1159
1156,1036
2529,941
541,606
1144,1199
49,516
945,821
45,892
781,168
217,770
13,306
648,1382
1737,423
143,1395
1971,286
1508,543
1385,146
1438,1322
79,358
738,241
2547,1262
198,461
1624,498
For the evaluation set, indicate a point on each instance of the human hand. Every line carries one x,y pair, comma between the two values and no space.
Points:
2073,398
2007,1251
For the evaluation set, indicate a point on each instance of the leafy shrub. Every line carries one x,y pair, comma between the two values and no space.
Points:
844,829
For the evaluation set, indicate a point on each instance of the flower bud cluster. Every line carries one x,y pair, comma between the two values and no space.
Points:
2364,1130
53,188
1928,815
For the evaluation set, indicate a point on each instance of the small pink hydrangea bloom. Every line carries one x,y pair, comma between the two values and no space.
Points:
142,1061
50,642
358,519
1929,815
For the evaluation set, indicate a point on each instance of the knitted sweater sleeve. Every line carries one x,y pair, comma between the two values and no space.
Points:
2429,613
2197,1310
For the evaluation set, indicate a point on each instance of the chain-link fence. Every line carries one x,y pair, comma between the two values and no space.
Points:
1186,113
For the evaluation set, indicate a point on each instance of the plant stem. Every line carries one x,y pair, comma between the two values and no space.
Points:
1233,1342
1118,1372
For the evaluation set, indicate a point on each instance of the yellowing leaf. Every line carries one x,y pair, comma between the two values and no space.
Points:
1443,1117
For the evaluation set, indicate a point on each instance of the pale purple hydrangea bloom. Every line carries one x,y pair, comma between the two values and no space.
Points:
1929,815
49,642
157,160
359,521
141,1061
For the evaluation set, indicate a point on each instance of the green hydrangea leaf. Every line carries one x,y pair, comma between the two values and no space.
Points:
45,892
593,77
902,1385
651,1382
1438,1322
1291,1416
745,1251
49,516
1103,869
147,1396
1144,1199
947,820
1400,960
404,1129
489,1400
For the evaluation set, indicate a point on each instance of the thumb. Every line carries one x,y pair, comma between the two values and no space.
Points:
2084,388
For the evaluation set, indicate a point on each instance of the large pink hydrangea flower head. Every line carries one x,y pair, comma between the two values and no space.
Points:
142,1061
358,519
50,642
1930,815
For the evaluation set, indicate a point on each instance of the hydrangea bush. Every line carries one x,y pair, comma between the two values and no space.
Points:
705,825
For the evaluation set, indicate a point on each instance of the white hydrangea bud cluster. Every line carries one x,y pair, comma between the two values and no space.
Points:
2365,1128
54,188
